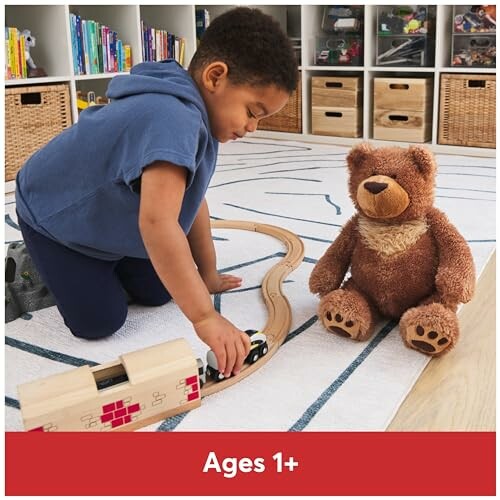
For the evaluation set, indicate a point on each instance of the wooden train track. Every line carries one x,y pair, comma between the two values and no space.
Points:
278,307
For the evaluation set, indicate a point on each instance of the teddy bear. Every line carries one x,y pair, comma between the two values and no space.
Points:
407,261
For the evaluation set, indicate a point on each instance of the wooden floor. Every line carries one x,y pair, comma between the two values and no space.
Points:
457,392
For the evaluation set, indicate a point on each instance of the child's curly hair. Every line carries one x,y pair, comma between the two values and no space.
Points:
254,47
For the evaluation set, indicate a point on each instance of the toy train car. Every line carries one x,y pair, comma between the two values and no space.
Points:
258,348
138,389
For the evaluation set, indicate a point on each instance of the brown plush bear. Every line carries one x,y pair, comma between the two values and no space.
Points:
406,259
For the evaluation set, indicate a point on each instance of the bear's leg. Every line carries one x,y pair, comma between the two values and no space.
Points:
346,312
431,328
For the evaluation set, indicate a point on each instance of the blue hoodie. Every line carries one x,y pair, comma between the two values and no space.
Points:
83,188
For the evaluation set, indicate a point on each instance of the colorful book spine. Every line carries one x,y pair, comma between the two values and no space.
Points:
79,39
22,50
8,70
128,57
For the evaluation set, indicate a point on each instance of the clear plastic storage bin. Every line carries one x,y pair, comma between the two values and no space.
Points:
473,36
405,35
341,43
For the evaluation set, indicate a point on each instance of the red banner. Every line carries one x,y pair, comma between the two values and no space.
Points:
260,463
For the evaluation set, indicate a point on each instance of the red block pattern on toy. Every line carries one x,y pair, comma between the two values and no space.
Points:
118,414
194,390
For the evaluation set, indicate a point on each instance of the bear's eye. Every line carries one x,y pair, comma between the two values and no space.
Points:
394,176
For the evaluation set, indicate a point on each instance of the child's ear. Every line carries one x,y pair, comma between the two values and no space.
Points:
214,74
358,154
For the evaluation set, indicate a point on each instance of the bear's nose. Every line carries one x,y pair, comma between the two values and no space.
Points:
375,187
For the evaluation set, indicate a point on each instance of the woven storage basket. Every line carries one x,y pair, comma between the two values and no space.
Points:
33,116
467,110
289,119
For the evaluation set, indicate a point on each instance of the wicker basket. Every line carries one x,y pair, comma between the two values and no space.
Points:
467,110
289,119
33,116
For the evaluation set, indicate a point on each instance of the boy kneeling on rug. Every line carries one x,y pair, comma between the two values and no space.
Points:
117,201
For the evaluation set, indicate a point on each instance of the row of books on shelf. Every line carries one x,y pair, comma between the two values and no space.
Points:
15,54
97,48
158,45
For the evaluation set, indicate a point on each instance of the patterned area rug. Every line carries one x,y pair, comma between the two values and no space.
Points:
316,381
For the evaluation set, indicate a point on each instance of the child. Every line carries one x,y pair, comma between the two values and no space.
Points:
117,202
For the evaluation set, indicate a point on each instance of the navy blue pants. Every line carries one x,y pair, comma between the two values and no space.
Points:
90,293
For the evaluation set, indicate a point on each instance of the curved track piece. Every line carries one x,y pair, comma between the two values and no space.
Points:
279,311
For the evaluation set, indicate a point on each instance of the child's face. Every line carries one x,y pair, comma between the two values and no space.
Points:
234,110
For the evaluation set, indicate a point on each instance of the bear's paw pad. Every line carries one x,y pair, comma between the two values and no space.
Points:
335,322
428,340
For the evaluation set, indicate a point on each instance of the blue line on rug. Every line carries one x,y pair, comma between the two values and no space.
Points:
47,353
326,196
171,423
303,156
11,223
216,238
239,290
321,240
13,403
468,166
217,298
468,175
463,198
250,262
481,241
311,412
264,179
466,189
297,169
301,328
289,150
281,216
250,167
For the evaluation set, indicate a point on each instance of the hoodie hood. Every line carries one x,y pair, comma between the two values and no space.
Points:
166,77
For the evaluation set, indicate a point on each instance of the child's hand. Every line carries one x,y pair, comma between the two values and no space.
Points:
216,282
229,344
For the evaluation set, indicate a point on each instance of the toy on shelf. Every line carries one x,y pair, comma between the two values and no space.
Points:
406,260
342,18
29,43
90,100
403,20
477,19
338,51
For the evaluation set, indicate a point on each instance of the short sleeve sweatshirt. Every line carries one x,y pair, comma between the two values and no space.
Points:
83,188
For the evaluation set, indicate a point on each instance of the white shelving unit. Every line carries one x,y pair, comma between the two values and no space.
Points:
50,25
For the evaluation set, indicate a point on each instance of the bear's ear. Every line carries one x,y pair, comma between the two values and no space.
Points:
424,160
358,154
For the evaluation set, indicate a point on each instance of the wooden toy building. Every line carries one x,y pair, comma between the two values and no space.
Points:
139,388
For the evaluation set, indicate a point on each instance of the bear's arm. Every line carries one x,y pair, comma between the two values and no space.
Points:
455,277
330,270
